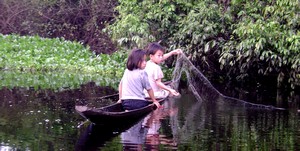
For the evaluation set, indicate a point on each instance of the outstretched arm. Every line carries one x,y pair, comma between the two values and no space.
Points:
173,52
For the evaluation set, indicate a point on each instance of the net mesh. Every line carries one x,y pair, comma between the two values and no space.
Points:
203,89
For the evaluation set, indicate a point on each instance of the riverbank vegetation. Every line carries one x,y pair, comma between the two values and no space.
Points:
231,40
79,20
24,59
33,53
54,80
49,37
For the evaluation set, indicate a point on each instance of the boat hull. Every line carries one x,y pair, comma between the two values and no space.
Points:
114,114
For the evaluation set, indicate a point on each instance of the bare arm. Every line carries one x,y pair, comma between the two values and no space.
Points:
120,92
174,52
151,95
163,86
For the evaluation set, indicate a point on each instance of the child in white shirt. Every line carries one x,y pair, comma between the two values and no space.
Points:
155,74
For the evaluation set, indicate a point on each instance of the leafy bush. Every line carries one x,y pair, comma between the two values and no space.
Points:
53,80
265,40
141,22
238,39
79,20
202,32
26,53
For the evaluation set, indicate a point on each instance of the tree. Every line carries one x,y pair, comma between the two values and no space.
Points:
242,39
76,20
265,40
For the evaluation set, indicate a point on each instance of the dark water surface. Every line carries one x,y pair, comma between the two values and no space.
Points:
33,119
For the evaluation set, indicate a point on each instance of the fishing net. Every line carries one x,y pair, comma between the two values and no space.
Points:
201,87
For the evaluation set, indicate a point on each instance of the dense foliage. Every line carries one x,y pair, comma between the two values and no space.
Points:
237,39
241,39
26,53
56,81
75,20
32,61
265,40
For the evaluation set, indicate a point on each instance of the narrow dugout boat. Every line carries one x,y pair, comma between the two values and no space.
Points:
115,114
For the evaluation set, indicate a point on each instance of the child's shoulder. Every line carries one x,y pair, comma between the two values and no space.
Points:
152,64
136,72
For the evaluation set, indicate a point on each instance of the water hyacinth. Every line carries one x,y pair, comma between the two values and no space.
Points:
34,56
27,53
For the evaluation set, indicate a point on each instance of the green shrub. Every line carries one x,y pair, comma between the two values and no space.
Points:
26,53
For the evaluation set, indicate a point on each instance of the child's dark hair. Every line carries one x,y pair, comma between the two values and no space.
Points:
135,57
154,47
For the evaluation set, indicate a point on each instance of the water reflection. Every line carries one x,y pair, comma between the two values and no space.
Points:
145,135
93,137
217,125
42,119
187,124
36,119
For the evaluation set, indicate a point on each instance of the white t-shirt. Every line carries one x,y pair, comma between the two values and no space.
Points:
133,84
154,72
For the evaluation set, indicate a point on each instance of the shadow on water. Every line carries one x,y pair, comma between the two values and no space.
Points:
94,136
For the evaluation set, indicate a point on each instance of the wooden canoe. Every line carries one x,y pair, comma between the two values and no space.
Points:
114,114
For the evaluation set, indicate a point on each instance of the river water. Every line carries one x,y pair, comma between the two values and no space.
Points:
41,119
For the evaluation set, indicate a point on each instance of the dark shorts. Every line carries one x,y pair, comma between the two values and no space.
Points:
134,104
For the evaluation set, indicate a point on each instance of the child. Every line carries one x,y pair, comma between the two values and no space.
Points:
155,74
134,81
